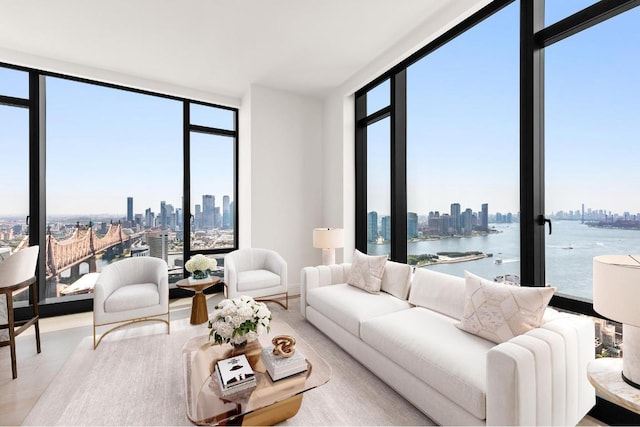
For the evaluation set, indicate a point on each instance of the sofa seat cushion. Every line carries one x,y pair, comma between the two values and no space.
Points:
429,345
131,297
349,306
256,279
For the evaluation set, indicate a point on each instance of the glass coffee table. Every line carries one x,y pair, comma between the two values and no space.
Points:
270,402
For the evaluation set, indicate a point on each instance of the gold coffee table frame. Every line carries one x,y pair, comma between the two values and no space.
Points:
199,312
269,403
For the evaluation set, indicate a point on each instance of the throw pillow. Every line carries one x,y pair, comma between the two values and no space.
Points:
396,279
366,271
499,312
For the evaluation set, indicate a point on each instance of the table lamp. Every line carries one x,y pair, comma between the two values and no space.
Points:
328,239
616,295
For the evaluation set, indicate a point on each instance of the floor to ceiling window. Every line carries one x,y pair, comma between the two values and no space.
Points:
462,152
108,167
114,181
14,171
592,89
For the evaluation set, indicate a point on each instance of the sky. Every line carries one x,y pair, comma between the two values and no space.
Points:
463,120
105,145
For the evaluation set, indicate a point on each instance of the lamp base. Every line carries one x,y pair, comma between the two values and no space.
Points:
631,355
328,256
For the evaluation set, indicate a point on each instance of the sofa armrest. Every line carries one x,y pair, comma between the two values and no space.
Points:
322,275
540,378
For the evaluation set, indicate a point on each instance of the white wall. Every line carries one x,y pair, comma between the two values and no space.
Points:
283,166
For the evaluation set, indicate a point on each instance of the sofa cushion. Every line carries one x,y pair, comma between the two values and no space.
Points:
366,271
131,297
429,346
349,306
437,291
500,312
396,279
256,279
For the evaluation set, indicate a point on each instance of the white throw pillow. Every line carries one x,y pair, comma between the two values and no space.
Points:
396,279
499,312
366,271
438,291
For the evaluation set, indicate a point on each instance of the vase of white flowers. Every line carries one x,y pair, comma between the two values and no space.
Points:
239,321
200,266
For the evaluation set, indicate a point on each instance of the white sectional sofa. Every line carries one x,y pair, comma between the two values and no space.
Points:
406,335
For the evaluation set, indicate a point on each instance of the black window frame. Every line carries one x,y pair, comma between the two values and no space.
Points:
534,37
37,178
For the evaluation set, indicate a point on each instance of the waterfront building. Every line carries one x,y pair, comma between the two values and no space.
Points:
455,217
386,228
412,225
372,226
484,217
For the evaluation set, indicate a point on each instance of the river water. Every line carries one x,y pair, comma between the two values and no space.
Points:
569,253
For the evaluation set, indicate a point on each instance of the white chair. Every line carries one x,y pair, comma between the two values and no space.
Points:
131,290
258,273
17,273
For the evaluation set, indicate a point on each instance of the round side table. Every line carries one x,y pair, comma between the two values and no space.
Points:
604,375
199,312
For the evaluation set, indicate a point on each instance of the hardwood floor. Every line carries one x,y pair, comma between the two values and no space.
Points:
60,336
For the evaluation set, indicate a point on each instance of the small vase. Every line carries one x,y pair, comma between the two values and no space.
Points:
198,275
237,349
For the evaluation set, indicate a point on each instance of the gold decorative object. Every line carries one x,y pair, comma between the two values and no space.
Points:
284,345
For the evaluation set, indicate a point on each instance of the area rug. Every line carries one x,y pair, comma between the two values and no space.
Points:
135,378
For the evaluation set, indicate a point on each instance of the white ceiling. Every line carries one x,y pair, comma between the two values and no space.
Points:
220,46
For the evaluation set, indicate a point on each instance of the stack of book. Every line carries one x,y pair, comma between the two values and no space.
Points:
280,367
235,374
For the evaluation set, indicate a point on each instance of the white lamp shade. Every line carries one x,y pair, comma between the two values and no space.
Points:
328,238
616,287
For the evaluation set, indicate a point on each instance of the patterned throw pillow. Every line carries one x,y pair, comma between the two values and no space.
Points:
366,271
499,312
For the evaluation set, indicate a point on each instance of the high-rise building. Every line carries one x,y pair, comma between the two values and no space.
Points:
412,225
130,209
226,213
455,217
163,214
372,226
467,222
386,227
232,218
484,217
158,242
149,218
208,211
198,219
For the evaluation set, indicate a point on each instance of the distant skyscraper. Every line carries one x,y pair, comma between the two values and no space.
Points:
372,226
163,214
467,221
455,217
484,217
208,212
226,213
232,218
412,225
386,227
130,209
149,218
198,219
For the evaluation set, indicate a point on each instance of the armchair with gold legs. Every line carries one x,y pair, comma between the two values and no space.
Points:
130,291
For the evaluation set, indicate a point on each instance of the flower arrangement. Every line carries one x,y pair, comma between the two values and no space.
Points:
239,321
200,266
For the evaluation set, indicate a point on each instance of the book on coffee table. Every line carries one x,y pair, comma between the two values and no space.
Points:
235,374
280,367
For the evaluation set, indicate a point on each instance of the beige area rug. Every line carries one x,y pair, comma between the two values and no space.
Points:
135,378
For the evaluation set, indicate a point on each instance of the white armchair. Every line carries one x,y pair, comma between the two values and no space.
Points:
258,273
131,290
